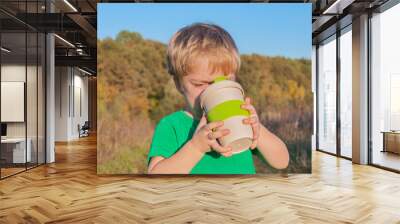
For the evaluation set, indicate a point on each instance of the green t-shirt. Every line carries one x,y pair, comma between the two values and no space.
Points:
174,130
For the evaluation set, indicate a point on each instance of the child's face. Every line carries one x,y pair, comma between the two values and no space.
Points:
194,83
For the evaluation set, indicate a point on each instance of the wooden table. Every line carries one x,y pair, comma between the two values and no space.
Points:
13,150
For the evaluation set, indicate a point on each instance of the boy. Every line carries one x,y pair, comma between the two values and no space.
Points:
183,142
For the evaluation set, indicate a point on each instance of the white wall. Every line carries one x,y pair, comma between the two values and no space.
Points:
80,83
16,72
12,100
70,83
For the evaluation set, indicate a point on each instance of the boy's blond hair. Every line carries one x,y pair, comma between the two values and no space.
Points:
202,41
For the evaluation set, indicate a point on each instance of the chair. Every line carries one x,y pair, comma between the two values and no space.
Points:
84,130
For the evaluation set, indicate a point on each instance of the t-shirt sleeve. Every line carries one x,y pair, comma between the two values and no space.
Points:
164,142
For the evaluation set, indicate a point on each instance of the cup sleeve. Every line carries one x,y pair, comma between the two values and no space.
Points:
164,142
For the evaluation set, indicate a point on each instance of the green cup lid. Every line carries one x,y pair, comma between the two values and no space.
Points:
219,78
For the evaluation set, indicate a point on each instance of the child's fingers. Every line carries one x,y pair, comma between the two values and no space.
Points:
247,100
227,154
249,107
213,125
217,147
250,120
218,134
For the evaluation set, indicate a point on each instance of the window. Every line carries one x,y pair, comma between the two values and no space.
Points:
346,92
23,79
327,95
394,118
385,88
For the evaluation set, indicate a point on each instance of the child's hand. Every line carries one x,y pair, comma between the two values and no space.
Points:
204,138
252,120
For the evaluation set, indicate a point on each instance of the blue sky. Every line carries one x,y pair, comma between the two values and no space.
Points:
267,29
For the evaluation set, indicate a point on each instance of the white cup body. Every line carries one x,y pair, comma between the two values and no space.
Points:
240,136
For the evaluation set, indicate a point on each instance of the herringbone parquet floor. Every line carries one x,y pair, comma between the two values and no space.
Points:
69,191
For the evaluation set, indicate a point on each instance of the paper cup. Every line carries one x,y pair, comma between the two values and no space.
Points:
221,101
